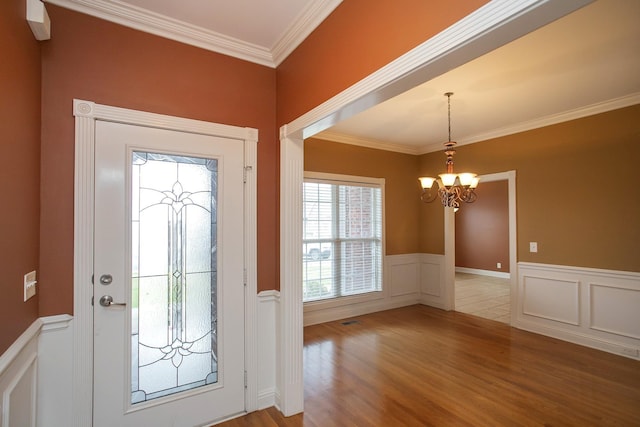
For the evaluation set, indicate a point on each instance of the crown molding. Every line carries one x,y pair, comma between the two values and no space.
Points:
552,119
578,113
38,20
144,20
308,20
367,143
173,29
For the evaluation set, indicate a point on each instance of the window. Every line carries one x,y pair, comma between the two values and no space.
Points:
342,236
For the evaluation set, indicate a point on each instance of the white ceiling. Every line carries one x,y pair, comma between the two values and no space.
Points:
582,64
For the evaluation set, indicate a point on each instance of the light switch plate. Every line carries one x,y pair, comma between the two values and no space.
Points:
29,285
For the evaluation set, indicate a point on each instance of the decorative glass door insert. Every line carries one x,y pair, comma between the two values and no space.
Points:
174,274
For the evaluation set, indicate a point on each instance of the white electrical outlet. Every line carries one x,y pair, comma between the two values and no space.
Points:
29,285
533,246
499,265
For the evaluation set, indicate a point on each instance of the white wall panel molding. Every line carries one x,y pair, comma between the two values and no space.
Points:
18,346
18,388
18,379
593,307
403,274
400,287
55,371
615,309
432,280
551,298
267,314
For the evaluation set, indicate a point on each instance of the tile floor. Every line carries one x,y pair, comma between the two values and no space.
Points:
483,296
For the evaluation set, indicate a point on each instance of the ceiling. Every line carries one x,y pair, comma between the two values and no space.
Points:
582,64
585,63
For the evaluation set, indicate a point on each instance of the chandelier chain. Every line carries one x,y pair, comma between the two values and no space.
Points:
449,112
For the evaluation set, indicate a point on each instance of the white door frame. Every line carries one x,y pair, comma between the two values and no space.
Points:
86,113
450,244
496,23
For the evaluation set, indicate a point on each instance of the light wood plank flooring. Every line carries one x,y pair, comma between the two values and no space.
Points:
420,366
483,296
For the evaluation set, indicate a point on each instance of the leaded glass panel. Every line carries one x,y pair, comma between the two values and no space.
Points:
174,274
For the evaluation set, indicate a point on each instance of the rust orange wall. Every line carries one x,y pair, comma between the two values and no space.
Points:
402,192
576,189
92,59
482,229
358,38
20,173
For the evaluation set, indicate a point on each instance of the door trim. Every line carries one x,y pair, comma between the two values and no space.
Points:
86,114
450,242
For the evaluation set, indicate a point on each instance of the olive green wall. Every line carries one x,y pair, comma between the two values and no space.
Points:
402,191
575,189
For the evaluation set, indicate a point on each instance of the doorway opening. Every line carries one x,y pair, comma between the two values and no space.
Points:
484,255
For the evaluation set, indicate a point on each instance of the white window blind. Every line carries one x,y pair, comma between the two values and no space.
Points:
342,239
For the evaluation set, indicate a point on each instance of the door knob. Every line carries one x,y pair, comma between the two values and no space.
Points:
107,301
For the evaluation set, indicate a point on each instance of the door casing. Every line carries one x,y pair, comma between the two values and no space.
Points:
86,114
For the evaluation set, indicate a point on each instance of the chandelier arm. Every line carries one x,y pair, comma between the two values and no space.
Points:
450,197
469,195
428,196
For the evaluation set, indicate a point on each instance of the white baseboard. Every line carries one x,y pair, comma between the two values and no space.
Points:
267,398
489,273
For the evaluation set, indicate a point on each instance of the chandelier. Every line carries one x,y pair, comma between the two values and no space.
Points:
452,188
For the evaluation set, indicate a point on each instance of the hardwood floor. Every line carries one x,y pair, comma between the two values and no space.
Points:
483,296
420,366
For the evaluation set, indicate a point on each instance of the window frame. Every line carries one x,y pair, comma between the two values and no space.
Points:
337,179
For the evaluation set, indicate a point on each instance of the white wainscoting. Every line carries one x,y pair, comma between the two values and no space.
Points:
18,376
35,375
432,281
400,287
55,371
268,315
592,307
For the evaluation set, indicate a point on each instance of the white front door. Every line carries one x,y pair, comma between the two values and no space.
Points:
168,277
